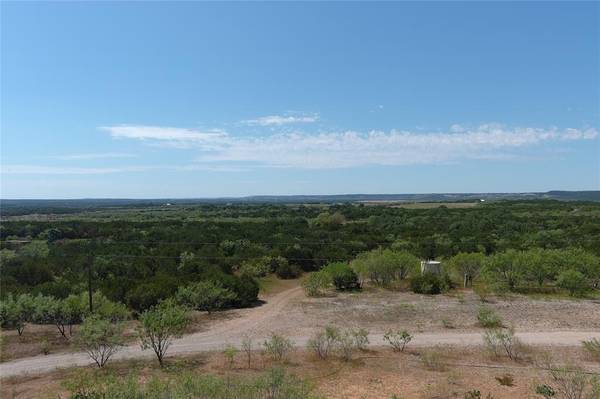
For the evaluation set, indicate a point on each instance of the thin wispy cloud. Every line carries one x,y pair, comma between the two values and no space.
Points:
353,149
57,170
167,134
280,120
107,155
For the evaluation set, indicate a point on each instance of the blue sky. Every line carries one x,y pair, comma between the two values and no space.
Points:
145,100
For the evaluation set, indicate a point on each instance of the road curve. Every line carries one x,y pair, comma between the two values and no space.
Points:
232,331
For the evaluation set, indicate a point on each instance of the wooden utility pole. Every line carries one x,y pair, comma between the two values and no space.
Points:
90,263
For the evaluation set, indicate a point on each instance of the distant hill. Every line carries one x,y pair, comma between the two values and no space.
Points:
43,206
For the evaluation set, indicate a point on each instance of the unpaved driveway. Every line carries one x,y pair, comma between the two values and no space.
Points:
255,322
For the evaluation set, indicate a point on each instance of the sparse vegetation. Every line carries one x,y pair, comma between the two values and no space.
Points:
274,384
397,339
432,359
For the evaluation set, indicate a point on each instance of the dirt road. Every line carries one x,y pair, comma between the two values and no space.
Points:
232,332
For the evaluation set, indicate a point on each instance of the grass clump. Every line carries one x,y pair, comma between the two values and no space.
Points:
592,347
488,318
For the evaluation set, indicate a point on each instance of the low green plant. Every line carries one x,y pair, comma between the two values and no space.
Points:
592,347
545,390
230,352
448,324
488,318
506,380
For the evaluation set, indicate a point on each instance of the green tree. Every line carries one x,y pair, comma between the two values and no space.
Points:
467,265
100,338
160,325
15,312
505,270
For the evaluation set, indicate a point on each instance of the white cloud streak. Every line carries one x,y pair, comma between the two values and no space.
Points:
57,170
352,149
107,155
280,120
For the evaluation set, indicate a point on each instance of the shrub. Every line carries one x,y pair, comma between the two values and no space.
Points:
429,283
573,281
278,347
502,340
397,339
574,383
346,344
205,295
287,270
261,267
488,318
100,339
346,280
342,276
230,352
592,347
361,338
323,341
316,283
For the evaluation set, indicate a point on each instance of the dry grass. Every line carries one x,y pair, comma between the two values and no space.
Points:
372,374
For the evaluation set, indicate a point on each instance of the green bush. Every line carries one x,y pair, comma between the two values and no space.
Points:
342,276
316,283
430,283
398,339
278,347
205,295
573,281
287,270
488,318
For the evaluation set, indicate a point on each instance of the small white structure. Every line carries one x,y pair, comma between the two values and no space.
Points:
431,266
